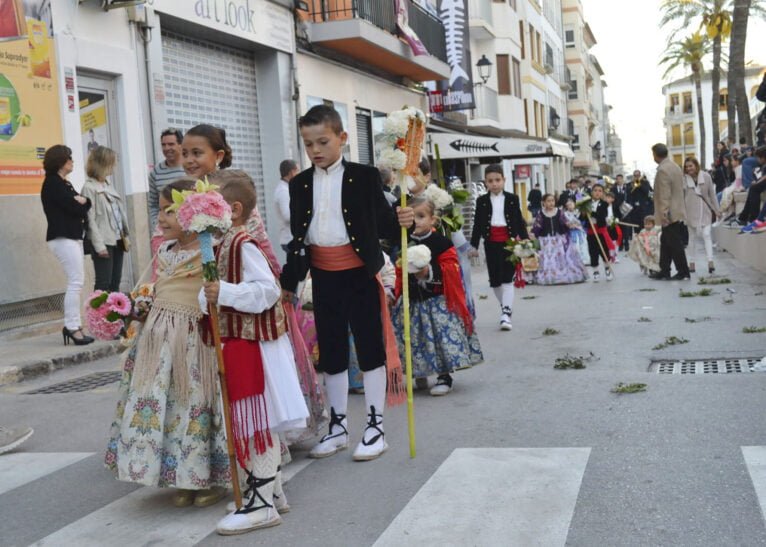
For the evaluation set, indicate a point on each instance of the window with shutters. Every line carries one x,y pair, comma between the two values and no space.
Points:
572,93
364,136
575,142
503,75
517,78
569,38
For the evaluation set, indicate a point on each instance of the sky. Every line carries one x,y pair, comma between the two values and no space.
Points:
630,44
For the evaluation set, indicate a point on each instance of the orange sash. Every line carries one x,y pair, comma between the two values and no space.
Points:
336,259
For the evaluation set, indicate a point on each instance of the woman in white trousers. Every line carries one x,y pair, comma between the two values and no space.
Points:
701,208
66,211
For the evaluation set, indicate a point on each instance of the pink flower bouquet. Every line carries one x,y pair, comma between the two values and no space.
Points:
106,314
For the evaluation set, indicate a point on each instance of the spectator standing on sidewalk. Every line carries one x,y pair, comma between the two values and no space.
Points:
165,171
287,170
670,213
66,211
701,207
535,200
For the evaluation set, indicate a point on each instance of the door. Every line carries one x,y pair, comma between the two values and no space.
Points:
98,127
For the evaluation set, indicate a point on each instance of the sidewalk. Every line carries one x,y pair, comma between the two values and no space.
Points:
25,358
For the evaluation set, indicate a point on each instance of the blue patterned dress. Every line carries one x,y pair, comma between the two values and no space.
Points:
439,338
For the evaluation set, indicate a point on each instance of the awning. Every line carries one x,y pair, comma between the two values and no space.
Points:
560,148
459,145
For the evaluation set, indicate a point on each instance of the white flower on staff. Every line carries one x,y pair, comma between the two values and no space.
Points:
393,159
406,183
418,257
396,126
440,198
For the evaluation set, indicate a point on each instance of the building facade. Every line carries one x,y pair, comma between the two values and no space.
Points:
681,119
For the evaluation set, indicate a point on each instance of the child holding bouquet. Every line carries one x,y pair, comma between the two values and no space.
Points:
560,263
498,219
265,395
442,330
167,430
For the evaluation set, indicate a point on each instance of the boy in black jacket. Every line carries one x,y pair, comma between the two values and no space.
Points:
599,214
498,218
338,215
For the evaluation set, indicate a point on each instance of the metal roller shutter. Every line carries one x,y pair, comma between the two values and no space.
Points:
215,84
364,135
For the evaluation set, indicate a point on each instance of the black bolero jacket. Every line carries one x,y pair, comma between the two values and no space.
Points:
66,217
366,212
483,216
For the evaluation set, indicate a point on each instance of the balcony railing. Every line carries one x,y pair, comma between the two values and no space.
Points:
480,9
381,13
486,103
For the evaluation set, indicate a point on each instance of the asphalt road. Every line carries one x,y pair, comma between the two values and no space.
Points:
551,457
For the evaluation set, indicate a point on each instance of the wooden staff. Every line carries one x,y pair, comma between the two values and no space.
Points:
607,264
214,326
621,223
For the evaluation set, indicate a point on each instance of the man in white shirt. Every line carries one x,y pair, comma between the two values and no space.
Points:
287,170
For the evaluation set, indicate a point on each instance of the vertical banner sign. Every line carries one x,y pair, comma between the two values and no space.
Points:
457,92
30,119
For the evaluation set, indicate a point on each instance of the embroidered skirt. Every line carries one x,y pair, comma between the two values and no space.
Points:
439,340
560,262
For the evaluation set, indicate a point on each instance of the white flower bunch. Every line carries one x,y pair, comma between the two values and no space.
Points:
440,198
397,122
418,257
393,159
201,223
524,249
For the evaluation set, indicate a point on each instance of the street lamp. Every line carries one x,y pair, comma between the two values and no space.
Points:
485,68
555,120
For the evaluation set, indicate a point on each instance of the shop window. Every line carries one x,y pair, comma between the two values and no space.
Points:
503,75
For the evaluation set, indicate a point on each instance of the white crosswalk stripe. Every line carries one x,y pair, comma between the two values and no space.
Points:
755,459
19,468
494,496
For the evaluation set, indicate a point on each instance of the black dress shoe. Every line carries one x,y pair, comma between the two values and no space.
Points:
659,276
681,277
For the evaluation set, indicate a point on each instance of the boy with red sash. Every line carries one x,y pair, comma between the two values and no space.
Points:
338,215
498,219
265,396
599,214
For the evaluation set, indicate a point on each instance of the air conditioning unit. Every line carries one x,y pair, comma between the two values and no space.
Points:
116,4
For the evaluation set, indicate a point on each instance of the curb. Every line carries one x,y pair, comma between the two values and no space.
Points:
33,368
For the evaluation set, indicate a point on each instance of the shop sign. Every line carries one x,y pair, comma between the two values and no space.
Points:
30,115
523,171
258,21
457,92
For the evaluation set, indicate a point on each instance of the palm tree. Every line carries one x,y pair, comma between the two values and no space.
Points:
737,92
689,53
715,19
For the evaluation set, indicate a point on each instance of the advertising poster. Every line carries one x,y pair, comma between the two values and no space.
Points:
30,119
457,92
93,121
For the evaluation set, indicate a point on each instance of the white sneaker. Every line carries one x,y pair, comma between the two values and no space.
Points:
11,438
505,322
242,522
609,274
442,387
335,440
373,442
596,276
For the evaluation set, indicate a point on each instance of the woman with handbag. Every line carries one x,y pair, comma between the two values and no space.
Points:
701,210
66,212
107,235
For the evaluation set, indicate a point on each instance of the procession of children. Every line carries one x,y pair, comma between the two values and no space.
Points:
336,307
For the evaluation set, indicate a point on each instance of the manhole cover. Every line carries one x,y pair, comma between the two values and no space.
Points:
705,366
83,383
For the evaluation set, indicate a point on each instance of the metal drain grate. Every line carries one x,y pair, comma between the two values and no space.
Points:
705,366
83,383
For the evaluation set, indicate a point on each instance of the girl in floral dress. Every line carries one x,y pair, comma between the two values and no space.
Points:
577,236
168,429
560,261
441,326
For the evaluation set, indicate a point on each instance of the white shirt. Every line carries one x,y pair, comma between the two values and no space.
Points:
282,203
498,210
327,228
609,213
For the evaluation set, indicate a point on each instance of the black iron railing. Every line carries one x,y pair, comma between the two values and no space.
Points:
381,13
